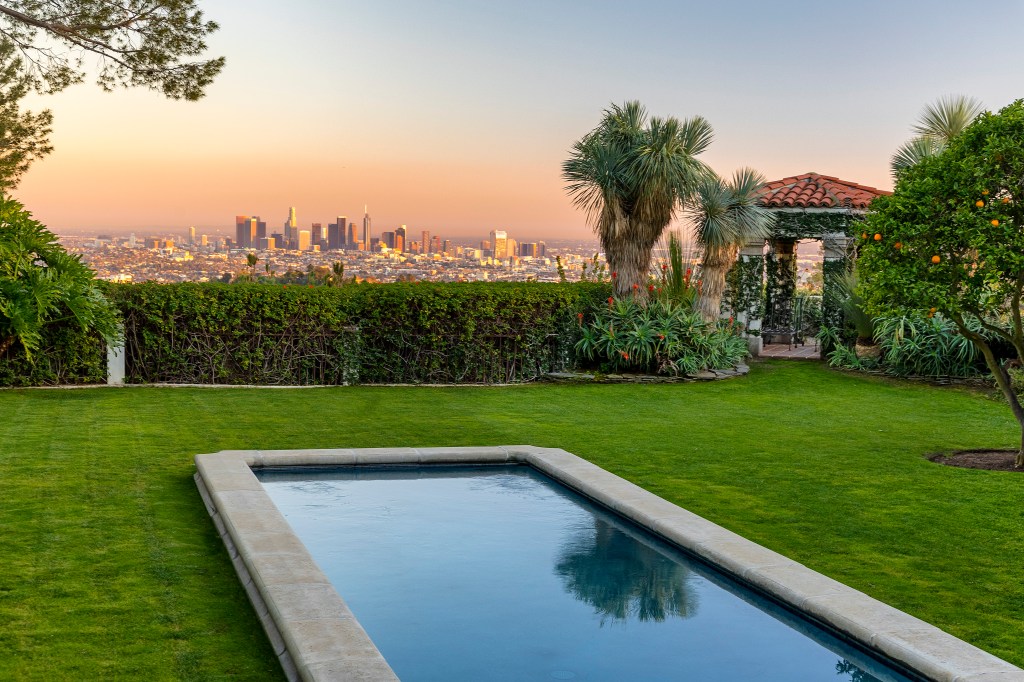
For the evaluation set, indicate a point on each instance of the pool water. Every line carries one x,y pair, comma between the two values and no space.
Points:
500,573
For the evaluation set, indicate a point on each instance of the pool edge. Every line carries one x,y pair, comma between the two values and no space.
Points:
317,638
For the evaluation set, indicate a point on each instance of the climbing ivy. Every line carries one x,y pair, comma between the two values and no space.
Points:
803,224
744,294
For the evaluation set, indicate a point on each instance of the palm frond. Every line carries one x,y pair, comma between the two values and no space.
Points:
948,117
913,152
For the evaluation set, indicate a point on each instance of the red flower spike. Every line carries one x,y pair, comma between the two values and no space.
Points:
614,275
635,287
650,287
664,266
611,300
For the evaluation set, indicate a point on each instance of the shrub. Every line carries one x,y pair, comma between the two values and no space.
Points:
658,338
371,333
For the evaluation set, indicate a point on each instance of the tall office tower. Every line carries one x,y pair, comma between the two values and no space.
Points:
342,231
512,249
192,236
527,249
542,249
435,245
261,229
367,232
304,240
400,239
334,236
352,238
317,233
203,240
425,241
388,239
245,232
446,247
374,244
291,232
132,241
500,240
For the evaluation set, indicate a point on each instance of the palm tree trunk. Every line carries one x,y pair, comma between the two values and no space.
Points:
714,268
629,261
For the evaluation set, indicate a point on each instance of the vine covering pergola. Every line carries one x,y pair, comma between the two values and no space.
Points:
808,206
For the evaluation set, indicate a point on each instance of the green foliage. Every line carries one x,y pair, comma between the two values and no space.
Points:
951,240
132,42
913,346
744,293
939,123
371,333
916,345
24,136
661,337
66,355
631,174
41,286
934,212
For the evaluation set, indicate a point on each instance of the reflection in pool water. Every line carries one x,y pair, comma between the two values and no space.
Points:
498,573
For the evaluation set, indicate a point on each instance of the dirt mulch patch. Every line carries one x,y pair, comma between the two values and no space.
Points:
992,460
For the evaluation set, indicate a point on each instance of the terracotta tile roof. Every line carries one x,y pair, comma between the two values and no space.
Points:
811,190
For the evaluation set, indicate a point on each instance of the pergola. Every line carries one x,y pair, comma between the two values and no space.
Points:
808,206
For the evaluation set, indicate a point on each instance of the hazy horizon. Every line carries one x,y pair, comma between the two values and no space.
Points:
455,117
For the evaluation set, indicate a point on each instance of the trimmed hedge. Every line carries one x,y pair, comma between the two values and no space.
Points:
67,355
368,333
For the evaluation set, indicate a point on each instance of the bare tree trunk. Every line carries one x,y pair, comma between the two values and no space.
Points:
714,269
1002,381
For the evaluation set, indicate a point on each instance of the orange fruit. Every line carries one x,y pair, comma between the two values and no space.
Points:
878,237
931,314
995,223
898,245
863,235
931,310
1006,200
985,192
936,259
979,203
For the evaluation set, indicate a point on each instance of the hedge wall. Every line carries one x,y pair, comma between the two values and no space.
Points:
68,356
366,333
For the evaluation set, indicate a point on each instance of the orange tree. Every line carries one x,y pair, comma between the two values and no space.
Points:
950,241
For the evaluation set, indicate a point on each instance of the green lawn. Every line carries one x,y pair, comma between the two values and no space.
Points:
112,569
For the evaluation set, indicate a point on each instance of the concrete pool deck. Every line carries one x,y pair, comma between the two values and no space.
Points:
316,637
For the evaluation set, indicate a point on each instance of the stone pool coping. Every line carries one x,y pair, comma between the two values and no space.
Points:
316,637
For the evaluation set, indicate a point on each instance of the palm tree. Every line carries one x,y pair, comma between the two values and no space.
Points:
725,216
938,124
631,175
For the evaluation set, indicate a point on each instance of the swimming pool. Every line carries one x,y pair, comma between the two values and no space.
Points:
501,574
317,637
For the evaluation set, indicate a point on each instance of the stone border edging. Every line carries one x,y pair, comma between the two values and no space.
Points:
317,638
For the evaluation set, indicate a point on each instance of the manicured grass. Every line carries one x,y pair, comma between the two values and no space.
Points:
113,570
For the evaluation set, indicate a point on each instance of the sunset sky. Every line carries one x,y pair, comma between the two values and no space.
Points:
455,115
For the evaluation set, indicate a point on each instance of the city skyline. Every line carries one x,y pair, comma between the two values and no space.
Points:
457,117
